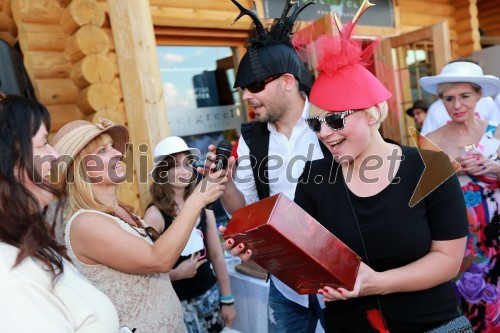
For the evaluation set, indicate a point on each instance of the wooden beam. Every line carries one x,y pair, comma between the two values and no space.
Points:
190,17
441,38
141,81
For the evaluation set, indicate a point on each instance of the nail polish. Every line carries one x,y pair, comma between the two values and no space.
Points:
340,291
230,241
241,246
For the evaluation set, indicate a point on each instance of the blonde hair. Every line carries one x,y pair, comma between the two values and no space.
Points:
79,186
377,112
442,87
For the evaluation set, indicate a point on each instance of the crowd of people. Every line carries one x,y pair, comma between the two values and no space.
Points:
428,267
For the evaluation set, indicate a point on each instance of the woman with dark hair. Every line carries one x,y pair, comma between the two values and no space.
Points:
39,290
204,303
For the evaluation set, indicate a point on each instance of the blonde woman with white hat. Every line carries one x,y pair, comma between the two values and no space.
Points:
475,144
112,247
206,299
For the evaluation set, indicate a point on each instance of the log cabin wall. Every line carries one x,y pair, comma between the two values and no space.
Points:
8,28
462,17
489,17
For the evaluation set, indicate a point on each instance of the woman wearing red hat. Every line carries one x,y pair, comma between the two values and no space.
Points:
361,193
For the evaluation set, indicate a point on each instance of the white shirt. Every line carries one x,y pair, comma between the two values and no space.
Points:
287,158
30,303
437,116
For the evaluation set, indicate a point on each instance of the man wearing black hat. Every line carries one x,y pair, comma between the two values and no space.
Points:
269,76
418,112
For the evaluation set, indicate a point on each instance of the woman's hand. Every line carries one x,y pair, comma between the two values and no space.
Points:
210,188
228,313
236,249
476,164
188,268
364,286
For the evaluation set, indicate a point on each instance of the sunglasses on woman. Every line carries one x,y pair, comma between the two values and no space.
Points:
259,86
335,121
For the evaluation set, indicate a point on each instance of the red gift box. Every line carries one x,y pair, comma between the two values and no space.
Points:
293,246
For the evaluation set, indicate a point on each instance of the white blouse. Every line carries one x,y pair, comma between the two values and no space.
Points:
30,303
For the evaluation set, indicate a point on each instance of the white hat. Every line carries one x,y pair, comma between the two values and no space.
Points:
462,71
170,146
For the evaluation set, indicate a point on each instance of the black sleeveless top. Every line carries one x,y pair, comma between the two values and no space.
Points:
204,279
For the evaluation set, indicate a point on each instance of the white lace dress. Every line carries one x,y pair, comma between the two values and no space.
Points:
143,301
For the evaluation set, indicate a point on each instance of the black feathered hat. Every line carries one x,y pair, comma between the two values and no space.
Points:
269,51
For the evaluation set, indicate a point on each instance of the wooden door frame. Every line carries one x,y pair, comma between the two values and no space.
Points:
438,33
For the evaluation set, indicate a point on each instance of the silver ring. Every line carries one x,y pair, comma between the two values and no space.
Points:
484,166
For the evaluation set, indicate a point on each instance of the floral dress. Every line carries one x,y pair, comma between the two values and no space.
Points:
477,286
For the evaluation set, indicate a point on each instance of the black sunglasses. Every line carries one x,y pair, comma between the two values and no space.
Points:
259,86
152,233
335,121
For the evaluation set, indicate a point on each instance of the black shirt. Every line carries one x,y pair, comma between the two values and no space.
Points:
394,235
204,279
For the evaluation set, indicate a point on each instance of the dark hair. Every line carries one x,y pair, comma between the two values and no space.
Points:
22,220
161,191
464,60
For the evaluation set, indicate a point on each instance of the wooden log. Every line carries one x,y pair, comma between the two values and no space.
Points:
465,51
117,84
55,91
62,114
79,13
110,37
491,19
114,61
423,20
7,7
416,6
7,23
464,13
41,37
39,11
113,115
64,3
87,40
463,26
91,69
8,37
43,41
225,6
100,95
189,17
47,64
469,37
138,63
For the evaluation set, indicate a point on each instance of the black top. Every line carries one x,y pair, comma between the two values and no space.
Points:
394,235
204,279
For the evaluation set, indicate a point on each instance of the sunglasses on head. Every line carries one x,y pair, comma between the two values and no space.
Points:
259,86
335,121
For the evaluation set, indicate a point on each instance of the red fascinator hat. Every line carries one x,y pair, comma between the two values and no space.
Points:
344,82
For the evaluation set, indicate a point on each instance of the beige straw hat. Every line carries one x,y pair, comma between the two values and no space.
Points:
74,136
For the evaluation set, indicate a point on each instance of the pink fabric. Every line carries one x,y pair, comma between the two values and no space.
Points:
352,88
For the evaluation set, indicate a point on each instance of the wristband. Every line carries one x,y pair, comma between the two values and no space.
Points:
228,298
226,303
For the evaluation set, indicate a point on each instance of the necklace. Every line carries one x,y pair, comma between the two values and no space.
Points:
135,218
